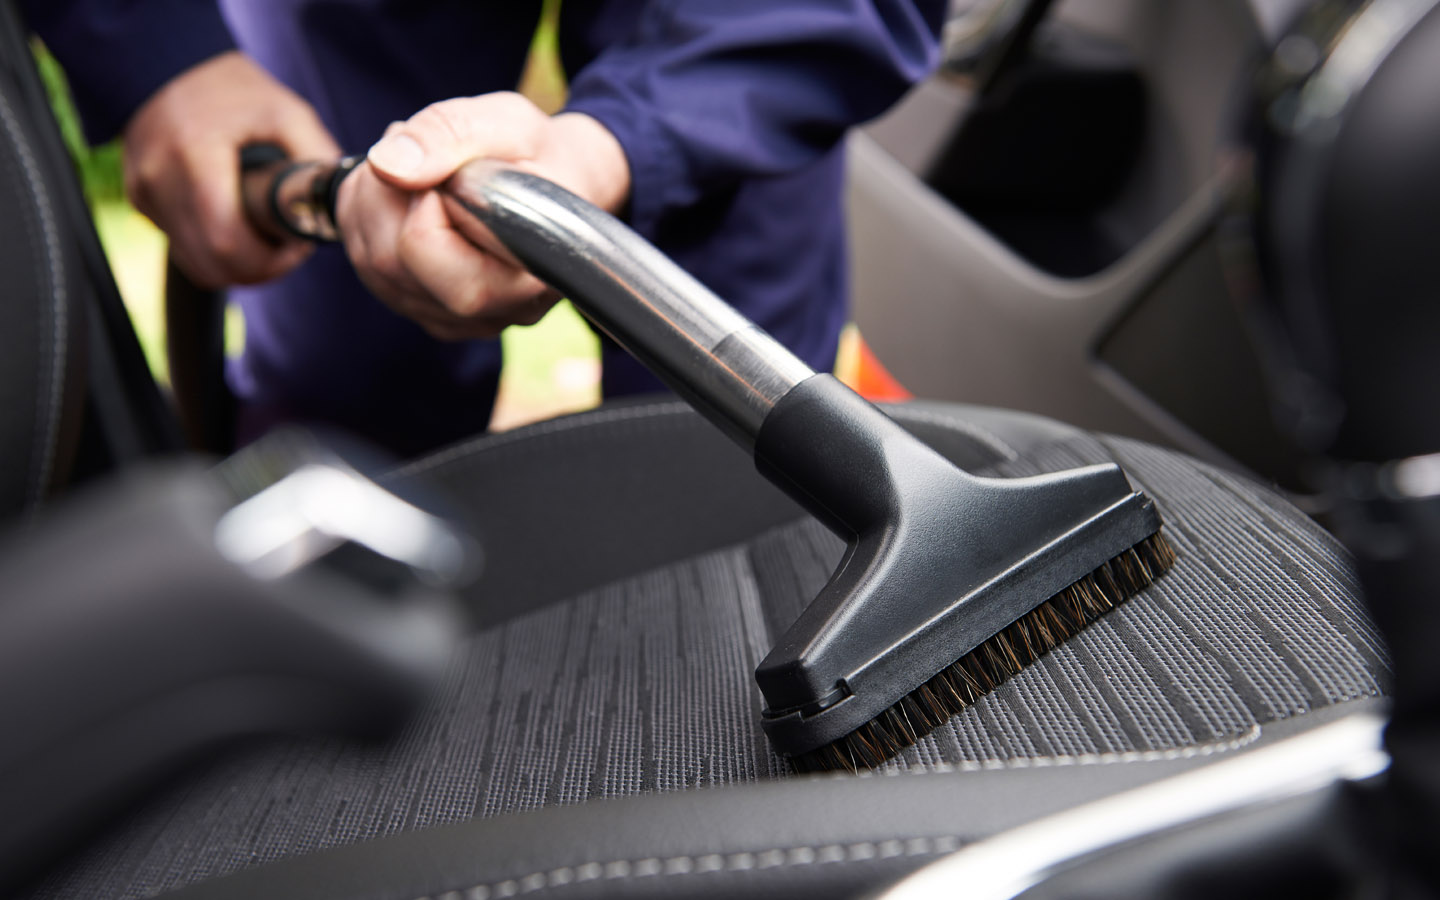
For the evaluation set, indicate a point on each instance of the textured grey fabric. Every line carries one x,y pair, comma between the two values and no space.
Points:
646,685
33,317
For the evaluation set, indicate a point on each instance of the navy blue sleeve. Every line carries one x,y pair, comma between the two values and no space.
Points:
116,53
702,93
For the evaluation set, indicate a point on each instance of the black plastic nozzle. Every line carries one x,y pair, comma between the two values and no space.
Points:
938,561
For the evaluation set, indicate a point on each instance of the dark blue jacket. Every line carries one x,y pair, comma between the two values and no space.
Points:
730,112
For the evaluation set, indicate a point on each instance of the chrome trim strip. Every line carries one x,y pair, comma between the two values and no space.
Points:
1008,864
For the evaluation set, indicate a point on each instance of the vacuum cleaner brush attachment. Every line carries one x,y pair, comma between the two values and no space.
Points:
949,585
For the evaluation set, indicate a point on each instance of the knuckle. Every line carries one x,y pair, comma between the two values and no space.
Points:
510,101
445,121
442,331
141,173
182,133
355,250
223,242
409,241
528,120
518,105
468,302
384,262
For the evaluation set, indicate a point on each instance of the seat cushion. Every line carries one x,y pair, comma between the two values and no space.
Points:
639,570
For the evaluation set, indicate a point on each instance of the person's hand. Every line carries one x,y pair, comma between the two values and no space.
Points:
402,242
182,158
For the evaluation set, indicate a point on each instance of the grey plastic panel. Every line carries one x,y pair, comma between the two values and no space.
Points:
916,128
955,315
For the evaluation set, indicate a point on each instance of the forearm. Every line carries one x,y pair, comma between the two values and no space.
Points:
707,92
117,54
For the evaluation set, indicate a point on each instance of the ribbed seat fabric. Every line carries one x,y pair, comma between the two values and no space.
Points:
645,684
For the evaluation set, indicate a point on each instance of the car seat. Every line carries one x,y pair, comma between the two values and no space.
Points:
597,734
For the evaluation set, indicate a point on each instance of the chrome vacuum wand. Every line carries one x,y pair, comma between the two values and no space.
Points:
724,365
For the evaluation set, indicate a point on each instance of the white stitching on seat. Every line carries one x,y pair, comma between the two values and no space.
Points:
486,443
823,854
779,857
45,437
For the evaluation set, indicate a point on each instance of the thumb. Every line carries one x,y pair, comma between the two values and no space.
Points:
442,137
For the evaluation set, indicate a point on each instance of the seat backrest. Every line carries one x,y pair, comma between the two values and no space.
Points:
39,320
76,397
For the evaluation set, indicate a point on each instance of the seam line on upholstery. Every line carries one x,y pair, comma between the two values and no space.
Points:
45,436
983,435
580,420
1197,751
670,866
816,855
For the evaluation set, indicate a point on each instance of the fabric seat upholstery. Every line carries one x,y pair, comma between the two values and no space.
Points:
599,733
40,372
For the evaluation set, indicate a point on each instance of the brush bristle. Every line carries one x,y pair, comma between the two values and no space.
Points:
985,668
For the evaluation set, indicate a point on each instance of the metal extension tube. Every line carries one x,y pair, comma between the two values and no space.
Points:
701,347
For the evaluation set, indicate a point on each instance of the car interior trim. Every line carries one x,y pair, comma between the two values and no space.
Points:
1011,863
